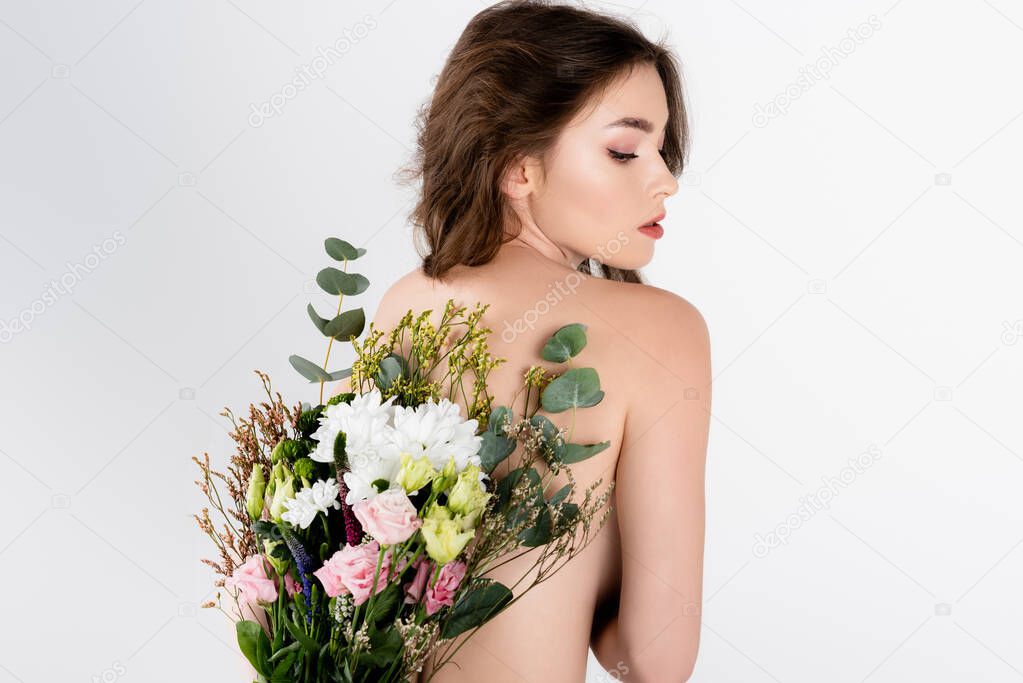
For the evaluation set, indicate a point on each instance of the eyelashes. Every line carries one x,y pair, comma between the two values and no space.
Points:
624,157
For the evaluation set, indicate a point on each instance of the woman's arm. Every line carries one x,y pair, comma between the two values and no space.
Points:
660,504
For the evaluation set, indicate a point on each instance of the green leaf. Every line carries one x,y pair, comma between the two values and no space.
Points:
566,343
337,282
391,368
547,428
339,250
505,486
340,455
308,369
561,495
576,452
576,388
383,606
282,672
314,316
494,450
498,416
290,647
540,533
341,374
348,324
309,644
568,513
385,645
475,607
254,645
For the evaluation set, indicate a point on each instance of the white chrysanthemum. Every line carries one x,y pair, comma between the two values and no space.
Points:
308,502
437,431
365,422
384,464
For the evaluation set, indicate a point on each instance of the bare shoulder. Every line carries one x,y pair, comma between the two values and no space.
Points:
666,325
405,293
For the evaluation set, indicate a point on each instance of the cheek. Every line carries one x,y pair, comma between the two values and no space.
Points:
589,202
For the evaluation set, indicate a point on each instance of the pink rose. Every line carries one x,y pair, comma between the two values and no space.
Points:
291,585
389,517
414,590
443,591
351,570
251,581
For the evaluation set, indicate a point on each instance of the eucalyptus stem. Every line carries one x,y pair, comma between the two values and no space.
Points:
340,298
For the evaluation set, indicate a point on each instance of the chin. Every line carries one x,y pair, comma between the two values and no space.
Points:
631,260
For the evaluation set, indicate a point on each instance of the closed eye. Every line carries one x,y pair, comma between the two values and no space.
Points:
623,157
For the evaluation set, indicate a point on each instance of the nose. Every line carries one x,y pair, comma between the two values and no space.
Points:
663,183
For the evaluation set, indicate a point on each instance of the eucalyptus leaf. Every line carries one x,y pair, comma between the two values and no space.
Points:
314,316
475,607
576,452
566,343
339,250
308,369
576,388
341,374
348,324
337,282
540,533
547,428
391,368
494,450
561,495
507,483
498,416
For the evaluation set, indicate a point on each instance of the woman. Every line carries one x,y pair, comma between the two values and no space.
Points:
553,137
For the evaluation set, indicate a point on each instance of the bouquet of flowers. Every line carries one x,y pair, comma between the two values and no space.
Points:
358,532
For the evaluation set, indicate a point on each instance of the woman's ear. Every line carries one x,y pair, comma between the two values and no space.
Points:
523,175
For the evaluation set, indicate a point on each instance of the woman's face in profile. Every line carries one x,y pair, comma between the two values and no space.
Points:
606,177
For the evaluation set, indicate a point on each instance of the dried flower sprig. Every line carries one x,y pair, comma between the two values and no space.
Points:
255,438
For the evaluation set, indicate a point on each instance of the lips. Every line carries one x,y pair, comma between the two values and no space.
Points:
653,221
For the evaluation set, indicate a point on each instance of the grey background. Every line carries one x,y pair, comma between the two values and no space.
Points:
857,259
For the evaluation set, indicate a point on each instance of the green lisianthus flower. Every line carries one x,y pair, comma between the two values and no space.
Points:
444,538
467,499
254,495
415,474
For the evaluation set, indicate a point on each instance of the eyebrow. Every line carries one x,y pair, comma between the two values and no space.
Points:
633,122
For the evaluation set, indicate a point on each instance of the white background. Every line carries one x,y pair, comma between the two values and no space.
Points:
857,260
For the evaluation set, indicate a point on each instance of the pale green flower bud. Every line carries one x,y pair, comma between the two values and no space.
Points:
446,478
466,498
284,489
280,565
437,512
415,474
254,496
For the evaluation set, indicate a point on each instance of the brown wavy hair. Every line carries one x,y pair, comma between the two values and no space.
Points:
518,74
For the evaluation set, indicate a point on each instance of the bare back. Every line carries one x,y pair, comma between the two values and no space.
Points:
545,635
